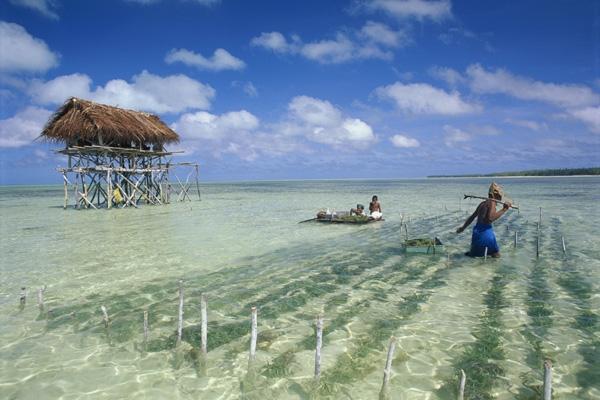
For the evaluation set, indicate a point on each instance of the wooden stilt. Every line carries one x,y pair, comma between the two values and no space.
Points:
145,326
461,387
253,333
562,238
485,254
387,372
203,324
40,298
516,239
180,318
318,347
547,380
23,297
105,316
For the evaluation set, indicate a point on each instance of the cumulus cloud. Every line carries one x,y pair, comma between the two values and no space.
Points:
525,123
204,125
420,9
220,60
320,121
146,91
247,87
44,7
504,82
402,141
422,98
21,52
373,41
24,127
590,116
450,76
454,136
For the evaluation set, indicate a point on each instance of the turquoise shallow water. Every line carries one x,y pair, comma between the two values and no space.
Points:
241,246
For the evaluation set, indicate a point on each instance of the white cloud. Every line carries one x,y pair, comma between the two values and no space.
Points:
320,121
380,33
247,87
454,136
502,81
220,60
44,7
204,125
146,91
402,141
421,98
420,9
525,123
590,116
373,41
274,41
21,52
448,75
25,126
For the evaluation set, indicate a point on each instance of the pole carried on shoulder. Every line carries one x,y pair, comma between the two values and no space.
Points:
470,196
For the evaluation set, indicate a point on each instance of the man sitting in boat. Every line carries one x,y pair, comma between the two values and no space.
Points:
375,208
359,210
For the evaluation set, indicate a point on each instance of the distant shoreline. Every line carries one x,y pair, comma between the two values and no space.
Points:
555,173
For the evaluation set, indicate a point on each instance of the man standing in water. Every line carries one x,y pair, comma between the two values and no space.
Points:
483,233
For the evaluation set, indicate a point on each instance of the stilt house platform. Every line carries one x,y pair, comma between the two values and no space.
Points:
116,157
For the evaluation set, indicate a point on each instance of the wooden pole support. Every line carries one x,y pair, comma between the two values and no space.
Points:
461,386
318,347
145,326
203,324
540,216
180,318
516,239
562,238
485,254
547,380
40,298
387,372
537,245
105,316
253,332
23,297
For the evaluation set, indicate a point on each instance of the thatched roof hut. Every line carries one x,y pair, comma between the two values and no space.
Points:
81,122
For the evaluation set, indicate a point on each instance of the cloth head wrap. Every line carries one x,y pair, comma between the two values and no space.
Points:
495,190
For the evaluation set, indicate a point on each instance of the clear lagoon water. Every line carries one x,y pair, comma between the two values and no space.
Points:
242,246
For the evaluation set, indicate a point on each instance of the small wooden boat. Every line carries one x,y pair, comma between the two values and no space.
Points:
344,219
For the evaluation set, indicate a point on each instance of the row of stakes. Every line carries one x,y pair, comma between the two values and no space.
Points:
547,388
387,371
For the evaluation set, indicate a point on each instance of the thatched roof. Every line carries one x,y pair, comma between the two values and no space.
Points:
79,120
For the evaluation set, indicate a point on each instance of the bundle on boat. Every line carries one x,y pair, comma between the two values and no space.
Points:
343,217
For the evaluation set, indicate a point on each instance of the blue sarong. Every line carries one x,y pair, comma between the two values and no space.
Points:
483,236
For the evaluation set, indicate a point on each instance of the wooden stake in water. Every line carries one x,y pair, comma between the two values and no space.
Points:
253,333
180,319
40,298
516,239
105,316
461,387
537,245
145,326
540,217
547,380
23,297
563,245
387,372
203,324
448,260
485,254
318,347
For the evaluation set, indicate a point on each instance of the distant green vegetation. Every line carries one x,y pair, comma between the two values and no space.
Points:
533,172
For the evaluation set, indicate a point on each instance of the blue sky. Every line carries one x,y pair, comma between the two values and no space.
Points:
313,89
